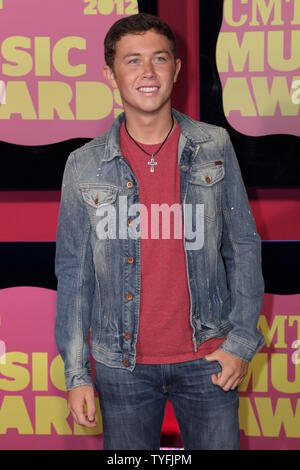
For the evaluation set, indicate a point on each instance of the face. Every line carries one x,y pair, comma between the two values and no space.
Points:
144,71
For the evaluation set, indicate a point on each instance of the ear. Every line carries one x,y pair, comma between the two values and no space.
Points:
177,69
109,76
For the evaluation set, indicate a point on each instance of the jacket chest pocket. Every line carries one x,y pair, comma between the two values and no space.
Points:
204,186
99,200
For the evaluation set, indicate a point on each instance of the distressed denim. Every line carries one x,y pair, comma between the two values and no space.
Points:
225,279
133,405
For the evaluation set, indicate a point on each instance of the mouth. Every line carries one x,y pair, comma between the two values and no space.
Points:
148,90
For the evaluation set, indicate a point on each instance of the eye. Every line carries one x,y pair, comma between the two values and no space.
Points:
133,61
160,59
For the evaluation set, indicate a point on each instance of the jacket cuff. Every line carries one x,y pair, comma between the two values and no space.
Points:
77,378
237,346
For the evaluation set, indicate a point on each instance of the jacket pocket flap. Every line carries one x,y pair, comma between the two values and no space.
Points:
207,174
96,196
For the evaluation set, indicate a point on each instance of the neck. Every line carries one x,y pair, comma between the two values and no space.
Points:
149,128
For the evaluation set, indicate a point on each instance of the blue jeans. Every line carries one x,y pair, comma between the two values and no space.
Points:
133,404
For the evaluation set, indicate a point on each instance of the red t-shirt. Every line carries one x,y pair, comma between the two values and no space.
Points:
165,332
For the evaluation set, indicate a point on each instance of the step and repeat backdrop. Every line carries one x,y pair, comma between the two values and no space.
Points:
53,99
249,84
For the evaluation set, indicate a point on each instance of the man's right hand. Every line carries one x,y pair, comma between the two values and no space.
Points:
77,398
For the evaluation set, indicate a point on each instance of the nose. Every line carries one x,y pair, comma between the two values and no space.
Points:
148,69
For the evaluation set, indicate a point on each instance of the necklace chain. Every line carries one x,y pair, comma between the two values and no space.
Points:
152,162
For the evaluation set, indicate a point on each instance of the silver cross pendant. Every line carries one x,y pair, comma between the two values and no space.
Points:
152,162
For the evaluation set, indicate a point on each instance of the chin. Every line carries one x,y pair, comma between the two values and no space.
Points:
152,106
148,109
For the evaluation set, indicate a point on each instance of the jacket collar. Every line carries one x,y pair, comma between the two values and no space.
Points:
190,129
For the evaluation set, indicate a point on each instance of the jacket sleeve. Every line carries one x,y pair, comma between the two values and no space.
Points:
241,252
75,274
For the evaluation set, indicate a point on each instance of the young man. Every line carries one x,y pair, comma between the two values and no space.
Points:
171,317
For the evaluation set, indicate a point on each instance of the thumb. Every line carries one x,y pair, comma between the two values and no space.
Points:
211,357
90,405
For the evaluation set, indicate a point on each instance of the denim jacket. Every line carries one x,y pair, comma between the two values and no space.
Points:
99,279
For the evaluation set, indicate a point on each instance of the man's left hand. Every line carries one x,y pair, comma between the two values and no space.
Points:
234,369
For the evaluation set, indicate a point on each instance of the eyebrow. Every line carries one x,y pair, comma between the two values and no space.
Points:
137,54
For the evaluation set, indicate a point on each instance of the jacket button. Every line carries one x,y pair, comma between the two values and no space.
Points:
130,259
207,179
126,362
129,184
127,335
129,296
